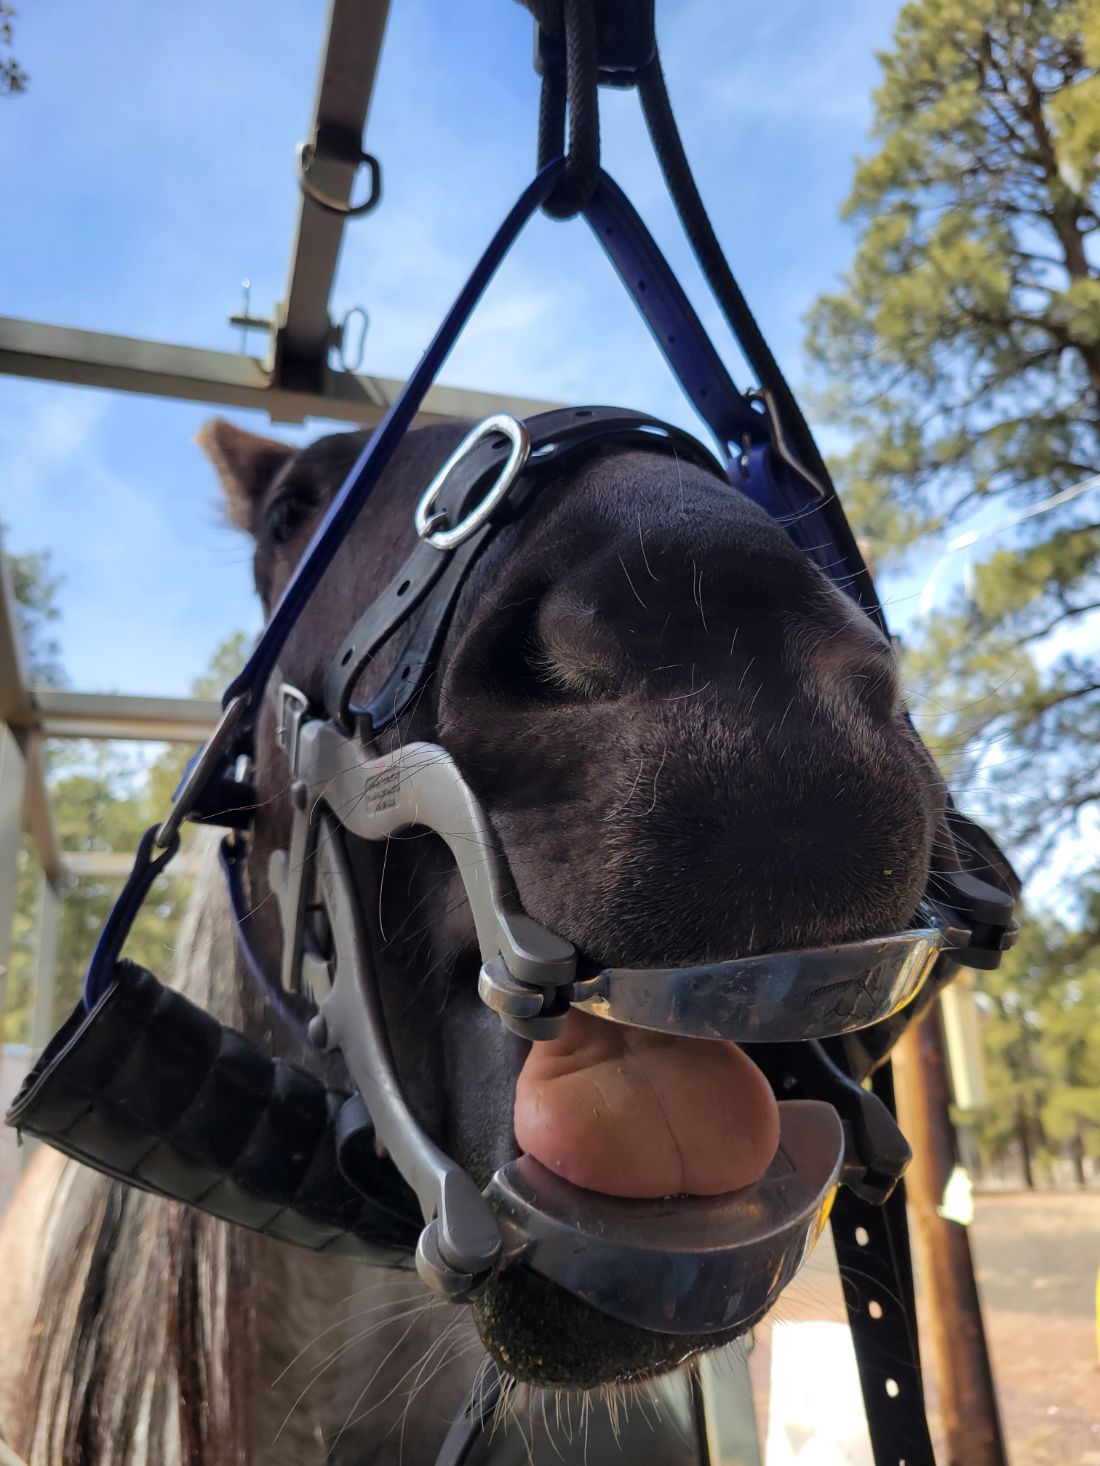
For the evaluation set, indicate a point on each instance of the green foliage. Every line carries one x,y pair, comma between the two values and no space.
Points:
104,798
1043,1045
35,586
962,354
13,79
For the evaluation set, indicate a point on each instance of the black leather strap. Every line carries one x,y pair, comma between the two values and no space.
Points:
469,1440
872,1252
431,579
150,1089
876,1267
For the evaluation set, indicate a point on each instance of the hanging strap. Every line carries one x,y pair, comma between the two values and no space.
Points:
469,1440
739,428
872,1254
743,433
876,1268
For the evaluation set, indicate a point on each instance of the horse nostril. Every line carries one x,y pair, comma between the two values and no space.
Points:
575,650
854,671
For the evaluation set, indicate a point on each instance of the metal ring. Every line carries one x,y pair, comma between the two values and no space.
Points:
346,363
448,539
780,444
347,210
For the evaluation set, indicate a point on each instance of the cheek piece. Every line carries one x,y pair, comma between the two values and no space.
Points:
147,1087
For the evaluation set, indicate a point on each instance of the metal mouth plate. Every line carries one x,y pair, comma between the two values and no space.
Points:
528,975
681,1265
777,997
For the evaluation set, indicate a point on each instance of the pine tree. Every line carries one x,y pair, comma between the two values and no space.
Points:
963,357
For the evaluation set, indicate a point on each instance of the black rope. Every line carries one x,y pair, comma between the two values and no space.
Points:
569,55
573,82
680,181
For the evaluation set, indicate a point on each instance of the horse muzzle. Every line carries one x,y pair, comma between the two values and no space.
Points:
692,1265
145,1086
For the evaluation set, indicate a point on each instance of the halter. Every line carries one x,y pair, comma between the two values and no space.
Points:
143,1085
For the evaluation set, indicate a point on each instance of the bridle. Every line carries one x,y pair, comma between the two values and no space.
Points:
138,1082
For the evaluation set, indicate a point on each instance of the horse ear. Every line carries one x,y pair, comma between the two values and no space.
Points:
246,465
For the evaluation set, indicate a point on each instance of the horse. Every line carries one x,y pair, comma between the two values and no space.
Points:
689,744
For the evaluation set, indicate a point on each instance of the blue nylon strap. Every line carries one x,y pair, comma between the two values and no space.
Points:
148,864
671,318
370,464
664,306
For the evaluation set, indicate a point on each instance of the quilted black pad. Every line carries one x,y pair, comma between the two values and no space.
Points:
152,1090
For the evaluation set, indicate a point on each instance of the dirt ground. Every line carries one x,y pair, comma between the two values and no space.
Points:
1037,1255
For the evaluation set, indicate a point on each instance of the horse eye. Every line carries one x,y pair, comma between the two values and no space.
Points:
286,517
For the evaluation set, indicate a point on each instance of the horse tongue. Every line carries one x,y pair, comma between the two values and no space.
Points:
633,1113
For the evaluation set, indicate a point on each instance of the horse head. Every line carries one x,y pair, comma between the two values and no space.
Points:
690,745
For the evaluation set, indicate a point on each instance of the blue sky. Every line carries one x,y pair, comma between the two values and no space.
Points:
151,166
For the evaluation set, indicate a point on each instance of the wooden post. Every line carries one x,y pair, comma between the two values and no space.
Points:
949,1290
13,797
49,923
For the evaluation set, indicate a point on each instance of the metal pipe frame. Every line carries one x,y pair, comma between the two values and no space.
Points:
353,42
295,381
60,714
189,373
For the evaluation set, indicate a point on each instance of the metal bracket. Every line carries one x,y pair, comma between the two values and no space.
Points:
461,1242
290,872
780,444
876,1153
336,145
420,784
985,910
200,770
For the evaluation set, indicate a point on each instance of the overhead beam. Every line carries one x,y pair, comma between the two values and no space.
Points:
116,865
60,714
353,41
154,369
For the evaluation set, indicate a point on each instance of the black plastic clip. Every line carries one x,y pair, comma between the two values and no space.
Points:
985,909
876,1153
626,43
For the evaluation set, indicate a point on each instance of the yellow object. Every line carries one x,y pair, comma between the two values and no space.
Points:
962,1034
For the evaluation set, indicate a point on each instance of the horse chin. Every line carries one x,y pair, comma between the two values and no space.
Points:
543,1336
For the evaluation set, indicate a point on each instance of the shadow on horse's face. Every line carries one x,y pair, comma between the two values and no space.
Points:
690,747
